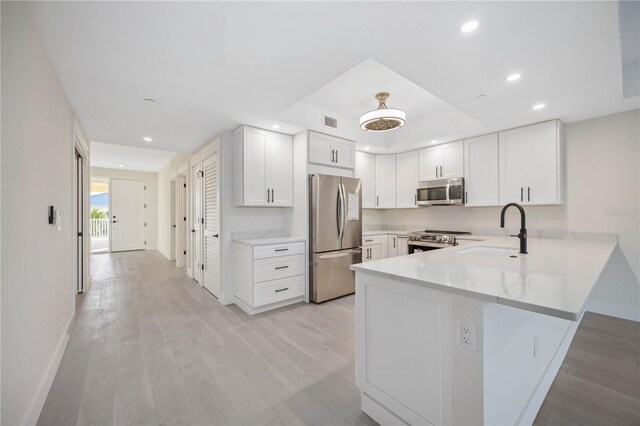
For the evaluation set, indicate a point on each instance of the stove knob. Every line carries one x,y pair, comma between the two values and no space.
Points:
438,239
445,239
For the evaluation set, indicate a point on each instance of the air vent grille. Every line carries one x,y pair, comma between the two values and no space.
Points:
330,122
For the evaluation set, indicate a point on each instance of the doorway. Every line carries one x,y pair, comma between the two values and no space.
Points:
99,220
128,217
181,221
79,220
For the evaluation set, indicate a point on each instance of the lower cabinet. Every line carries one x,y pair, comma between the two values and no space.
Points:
270,273
375,247
392,245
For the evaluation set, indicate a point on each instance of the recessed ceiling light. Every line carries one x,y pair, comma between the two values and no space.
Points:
149,100
367,148
147,139
479,97
276,126
120,165
433,141
538,106
514,77
469,26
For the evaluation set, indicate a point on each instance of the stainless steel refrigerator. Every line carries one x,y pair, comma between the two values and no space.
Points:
335,210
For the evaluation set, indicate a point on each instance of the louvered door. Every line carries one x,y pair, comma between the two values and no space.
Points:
196,226
211,181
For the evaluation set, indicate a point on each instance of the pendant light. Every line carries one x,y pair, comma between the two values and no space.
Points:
382,119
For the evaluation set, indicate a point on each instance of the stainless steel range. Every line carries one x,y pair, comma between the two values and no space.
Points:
432,240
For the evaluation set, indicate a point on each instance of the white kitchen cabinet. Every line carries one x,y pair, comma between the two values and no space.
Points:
441,162
403,245
481,171
531,164
392,246
407,179
263,168
374,247
365,169
269,274
331,151
385,181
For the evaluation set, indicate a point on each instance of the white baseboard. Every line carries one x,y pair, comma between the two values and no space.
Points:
377,412
35,407
622,312
252,311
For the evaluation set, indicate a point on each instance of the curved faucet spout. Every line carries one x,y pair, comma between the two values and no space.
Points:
523,225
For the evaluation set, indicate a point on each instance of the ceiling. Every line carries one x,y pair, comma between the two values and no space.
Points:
112,156
213,65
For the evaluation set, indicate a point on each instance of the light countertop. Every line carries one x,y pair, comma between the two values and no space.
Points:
384,232
555,278
270,240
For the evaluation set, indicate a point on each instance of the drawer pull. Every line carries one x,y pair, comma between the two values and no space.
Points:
278,290
284,249
367,241
282,267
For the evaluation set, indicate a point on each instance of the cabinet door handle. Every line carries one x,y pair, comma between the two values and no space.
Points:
415,199
333,155
377,200
528,193
394,242
268,200
337,161
521,194
283,249
436,171
282,267
440,171
282,289
466,196
273,198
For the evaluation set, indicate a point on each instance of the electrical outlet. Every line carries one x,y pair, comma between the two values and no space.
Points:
467,335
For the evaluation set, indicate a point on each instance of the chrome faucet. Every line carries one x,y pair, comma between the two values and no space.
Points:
523,226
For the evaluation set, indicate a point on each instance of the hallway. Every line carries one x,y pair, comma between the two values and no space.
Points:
150,346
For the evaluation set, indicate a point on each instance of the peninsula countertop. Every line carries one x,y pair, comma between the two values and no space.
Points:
555,278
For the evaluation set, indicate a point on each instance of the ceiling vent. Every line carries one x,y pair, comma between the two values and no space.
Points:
330,122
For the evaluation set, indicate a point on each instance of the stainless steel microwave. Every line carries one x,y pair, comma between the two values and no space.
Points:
442,192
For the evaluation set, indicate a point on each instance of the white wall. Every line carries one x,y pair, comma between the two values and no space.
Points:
38,285
602,195
165,227
151,182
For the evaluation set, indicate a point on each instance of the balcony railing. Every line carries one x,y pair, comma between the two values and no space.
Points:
99,228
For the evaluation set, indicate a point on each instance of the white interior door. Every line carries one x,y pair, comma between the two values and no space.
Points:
211,168
181,258
127,215
196,226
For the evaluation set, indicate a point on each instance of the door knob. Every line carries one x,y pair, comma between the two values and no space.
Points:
193,230
114,221
215,235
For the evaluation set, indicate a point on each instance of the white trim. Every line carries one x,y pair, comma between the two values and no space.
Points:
36,405
226,300
377,412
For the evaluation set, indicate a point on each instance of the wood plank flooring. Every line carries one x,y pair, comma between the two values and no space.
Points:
150,346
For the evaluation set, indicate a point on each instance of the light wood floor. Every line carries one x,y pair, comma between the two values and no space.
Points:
150,346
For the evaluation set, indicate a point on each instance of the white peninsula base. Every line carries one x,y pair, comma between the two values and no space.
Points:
426,356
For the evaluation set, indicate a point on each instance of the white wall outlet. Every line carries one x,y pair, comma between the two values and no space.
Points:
467,335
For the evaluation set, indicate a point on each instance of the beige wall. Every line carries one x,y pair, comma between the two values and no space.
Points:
602,195
38,285
151,182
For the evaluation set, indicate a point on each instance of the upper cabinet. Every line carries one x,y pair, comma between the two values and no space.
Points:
385,181
366,170
441,162
531,164
331,151
407,179
481,171
263,168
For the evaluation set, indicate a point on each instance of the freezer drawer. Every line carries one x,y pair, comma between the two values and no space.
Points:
331,276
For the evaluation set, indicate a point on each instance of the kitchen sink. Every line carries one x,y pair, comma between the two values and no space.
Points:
488,251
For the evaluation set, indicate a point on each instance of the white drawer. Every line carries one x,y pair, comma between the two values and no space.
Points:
286,249
279,290
275,268
371,240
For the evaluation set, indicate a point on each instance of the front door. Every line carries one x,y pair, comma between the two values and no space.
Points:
127,215
211,180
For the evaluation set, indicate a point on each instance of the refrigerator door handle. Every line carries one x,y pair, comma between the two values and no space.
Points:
340,254
343,202
339,213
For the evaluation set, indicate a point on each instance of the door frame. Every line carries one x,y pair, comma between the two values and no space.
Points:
182,217
80,146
